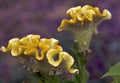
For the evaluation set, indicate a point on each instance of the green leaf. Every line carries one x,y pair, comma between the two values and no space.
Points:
67,81
114,71
116,79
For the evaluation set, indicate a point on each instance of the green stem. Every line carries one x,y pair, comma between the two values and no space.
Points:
82,69
47,78
84,77
80,62
53,79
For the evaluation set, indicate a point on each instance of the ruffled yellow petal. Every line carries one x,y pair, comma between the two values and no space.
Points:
83,23
51,43
84,15
13,46
30,41
30,44
47,44
51,54
61,56
69,62
22,46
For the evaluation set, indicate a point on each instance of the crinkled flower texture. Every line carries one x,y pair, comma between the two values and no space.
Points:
83,23
41,50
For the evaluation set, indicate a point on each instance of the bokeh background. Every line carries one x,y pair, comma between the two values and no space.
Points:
19,18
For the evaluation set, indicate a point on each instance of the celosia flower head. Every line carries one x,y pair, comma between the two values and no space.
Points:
40,54
83,23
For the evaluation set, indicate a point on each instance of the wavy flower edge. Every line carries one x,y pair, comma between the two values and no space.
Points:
40,49
82,16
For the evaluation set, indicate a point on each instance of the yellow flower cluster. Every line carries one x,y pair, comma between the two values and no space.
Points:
84,15
41,49
83,23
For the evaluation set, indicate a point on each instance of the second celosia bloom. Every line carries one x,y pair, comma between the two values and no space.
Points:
83,23
40,50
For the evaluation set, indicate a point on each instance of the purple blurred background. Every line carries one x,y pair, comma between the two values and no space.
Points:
19,18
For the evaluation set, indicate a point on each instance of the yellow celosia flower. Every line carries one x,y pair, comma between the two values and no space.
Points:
40,49
83,23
